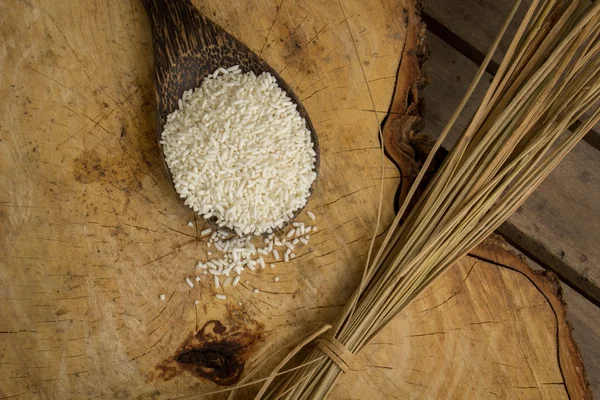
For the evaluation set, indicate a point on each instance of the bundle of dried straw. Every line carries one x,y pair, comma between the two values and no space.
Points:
548,80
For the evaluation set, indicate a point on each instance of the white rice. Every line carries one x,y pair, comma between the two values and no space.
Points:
239,150
189,282
241,253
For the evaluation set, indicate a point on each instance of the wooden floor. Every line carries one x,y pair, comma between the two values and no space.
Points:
559,226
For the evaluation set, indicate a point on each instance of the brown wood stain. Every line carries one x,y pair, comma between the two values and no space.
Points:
214,353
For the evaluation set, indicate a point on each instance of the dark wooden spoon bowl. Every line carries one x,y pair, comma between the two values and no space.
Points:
187,47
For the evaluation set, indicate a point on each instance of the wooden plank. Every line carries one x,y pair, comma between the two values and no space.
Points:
478,22
584,316
559,223
470,26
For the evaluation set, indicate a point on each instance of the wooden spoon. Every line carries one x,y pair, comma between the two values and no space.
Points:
187,47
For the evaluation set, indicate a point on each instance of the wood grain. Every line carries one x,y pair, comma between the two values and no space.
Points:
488,336
91,233
584,317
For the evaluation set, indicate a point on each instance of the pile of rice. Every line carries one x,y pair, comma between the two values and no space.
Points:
239,151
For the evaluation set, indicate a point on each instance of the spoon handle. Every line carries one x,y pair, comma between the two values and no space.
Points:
179,35
187,47
178,29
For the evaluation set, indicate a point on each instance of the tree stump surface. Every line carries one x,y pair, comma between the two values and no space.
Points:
91,232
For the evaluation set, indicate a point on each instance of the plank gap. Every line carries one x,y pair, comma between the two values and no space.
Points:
502,231
470,52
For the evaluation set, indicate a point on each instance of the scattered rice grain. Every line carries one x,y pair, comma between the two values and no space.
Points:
189,282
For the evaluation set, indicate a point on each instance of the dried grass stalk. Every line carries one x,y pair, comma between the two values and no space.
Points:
549,78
